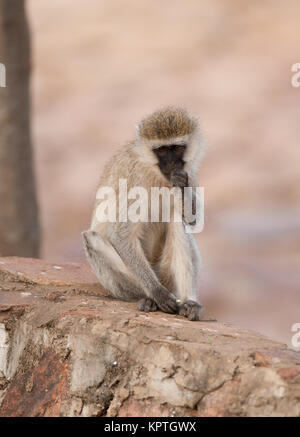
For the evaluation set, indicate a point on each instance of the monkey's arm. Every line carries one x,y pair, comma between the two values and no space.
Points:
130,250
193,201
180,178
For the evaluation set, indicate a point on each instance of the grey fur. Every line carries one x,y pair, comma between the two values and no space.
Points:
155,263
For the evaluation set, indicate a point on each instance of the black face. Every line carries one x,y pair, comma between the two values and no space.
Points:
170,157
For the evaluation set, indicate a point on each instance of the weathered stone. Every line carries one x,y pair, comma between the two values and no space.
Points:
289,373
38,391
40,272
23,273
71,354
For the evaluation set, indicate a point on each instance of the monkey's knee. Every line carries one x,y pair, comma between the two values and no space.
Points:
96,256
101,252
192,310
90,240
147,304
109,267
85,238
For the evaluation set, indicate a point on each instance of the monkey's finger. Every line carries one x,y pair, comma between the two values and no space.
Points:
183,310
166,301
196,313
192,310
147,305
179,171
169,306
180,181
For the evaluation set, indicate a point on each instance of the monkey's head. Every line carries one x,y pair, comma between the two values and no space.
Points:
170,138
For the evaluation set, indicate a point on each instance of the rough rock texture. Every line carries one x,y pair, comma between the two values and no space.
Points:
64,352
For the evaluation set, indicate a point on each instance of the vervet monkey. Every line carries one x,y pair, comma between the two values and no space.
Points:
156,263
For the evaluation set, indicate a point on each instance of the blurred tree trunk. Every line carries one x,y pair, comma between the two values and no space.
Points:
19,226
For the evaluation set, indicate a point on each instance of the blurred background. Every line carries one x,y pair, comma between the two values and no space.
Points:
100,66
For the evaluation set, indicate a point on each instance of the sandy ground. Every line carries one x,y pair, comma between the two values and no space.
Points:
101,66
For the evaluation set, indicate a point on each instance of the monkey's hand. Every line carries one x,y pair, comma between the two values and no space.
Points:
179,178
147,304
191,309
165,301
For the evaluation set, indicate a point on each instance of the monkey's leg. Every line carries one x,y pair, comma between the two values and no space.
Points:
124,271
125,240
180,265
109,268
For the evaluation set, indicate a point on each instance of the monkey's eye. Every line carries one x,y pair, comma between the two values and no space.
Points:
179,148
161,151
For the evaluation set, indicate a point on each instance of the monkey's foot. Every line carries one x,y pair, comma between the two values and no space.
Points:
147,304
191,309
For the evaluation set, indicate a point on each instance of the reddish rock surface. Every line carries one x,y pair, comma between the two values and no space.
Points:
38,391
26,272
64,352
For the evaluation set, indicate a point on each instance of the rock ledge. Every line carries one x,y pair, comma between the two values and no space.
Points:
66,349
